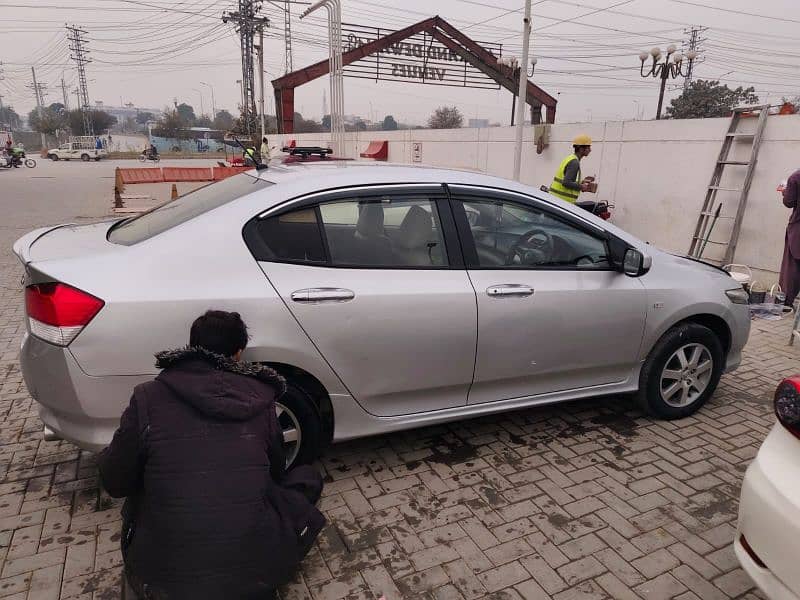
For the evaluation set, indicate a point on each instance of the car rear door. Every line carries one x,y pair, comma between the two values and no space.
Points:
552,313
376,279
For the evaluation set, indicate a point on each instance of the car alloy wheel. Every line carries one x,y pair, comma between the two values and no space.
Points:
686,375
291,432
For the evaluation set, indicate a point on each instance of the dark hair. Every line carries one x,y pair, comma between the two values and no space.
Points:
219,332
576,148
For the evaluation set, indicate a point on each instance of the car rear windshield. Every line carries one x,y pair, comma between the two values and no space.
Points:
164,217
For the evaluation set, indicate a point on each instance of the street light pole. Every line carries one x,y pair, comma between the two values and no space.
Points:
670,67
523,88
202,106
213,103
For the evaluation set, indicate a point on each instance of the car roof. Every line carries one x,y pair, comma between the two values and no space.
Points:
338,173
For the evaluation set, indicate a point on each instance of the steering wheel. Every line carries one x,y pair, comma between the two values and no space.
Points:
533,247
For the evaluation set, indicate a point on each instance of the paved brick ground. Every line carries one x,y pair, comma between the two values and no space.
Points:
584,500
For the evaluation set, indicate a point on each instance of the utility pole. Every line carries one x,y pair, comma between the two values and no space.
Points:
523,89
37,90
64,94
81,57
2,77
695,42
261,81
287,34
247,25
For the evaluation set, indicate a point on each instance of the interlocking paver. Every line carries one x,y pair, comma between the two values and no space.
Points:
585,500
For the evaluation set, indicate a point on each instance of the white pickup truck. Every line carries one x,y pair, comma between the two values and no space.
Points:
76,150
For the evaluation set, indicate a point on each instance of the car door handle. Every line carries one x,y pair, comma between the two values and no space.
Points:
315,295
509,290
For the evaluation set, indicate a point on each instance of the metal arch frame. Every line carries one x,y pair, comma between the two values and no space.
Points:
437,27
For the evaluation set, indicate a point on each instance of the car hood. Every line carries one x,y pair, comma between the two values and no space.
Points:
701,265
64,241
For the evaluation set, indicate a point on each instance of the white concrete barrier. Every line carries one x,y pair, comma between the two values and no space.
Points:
654,172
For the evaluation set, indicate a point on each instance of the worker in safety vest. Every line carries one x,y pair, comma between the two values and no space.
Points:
250,156
567,184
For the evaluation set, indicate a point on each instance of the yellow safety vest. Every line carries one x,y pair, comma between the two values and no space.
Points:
558,189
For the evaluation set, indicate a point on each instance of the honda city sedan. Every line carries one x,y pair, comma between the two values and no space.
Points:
390,297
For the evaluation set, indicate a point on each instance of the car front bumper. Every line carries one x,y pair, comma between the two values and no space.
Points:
769,517
76,407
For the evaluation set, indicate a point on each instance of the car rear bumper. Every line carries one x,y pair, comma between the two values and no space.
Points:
81,409
769,517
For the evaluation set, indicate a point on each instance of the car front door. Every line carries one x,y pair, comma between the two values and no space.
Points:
376,279
553,315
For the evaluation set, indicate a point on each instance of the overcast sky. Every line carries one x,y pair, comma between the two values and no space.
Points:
150,51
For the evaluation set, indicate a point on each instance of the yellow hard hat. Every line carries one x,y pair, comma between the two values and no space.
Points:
582,140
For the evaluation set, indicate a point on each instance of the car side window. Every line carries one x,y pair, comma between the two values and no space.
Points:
509,235
393,231
293,237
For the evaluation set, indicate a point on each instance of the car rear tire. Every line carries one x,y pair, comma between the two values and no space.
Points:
85,157
297,411
681,372
96,159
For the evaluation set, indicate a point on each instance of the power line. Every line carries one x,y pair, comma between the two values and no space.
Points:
737,12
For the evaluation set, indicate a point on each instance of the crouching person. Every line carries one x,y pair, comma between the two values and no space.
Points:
210,512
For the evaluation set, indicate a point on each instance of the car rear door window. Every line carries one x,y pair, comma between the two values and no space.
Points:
289,237
393,231
186,207
508,235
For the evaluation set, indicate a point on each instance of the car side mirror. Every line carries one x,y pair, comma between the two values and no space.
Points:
636,263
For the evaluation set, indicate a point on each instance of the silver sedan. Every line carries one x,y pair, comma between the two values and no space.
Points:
390,297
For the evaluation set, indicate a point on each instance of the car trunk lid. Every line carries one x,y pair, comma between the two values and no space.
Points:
62,242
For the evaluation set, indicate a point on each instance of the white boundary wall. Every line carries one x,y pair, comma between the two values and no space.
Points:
655,172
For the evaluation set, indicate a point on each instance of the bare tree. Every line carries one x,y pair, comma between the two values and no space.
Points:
446,117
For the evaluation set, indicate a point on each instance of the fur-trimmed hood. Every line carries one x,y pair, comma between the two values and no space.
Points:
217,385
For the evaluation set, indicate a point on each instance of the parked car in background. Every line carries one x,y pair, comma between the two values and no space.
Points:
768,538
390,297
78,149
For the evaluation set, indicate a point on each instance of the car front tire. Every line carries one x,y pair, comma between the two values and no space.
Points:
301,424
53,157
681,372
85,157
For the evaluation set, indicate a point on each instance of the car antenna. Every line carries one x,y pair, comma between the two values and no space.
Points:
260,166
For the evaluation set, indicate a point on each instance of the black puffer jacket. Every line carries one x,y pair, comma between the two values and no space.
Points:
211,512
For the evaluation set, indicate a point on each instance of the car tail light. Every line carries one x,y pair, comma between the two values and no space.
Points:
787,404
57,312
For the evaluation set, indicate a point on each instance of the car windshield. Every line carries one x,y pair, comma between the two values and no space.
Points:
182,209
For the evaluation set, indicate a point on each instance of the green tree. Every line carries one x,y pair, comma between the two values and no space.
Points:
143,117
186,112
101,121
389,124
224,120
706,99
359,125
302,125
9,118
171,125
203,121
326,122
446,117
47,121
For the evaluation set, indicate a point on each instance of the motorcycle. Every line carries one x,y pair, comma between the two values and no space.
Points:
145,156
17,159
599,208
